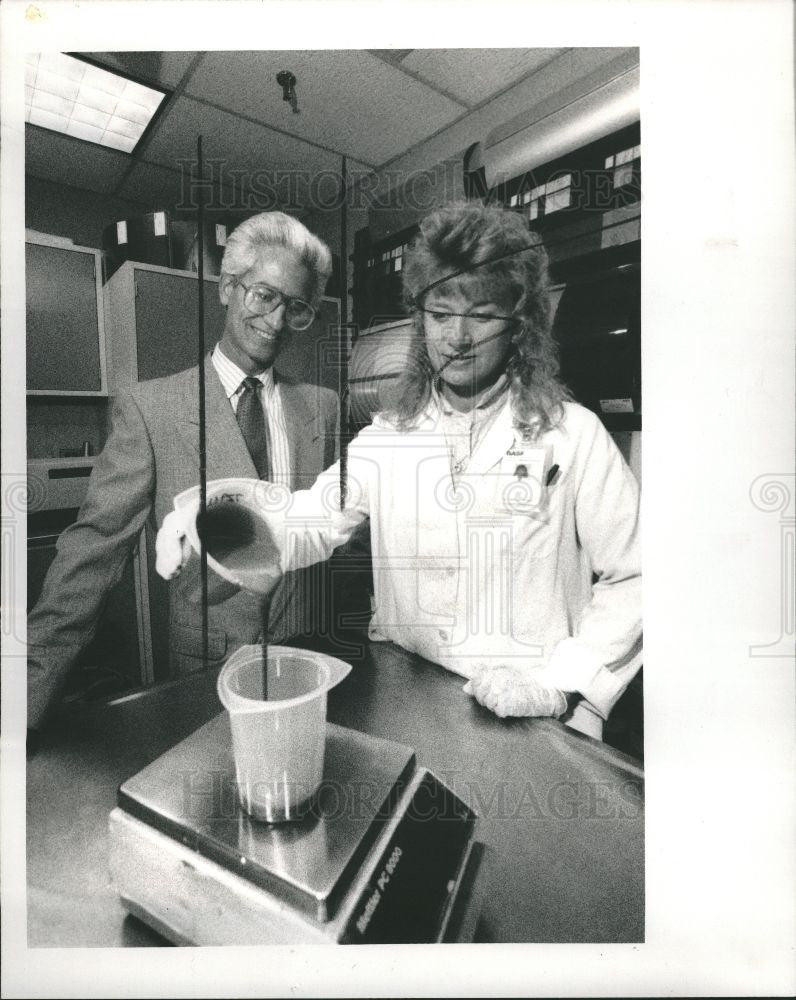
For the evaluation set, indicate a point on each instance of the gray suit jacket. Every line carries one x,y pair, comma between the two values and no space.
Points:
151,455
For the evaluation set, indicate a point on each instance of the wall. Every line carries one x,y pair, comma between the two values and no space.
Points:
72,212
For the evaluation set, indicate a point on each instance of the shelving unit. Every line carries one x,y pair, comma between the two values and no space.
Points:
586,209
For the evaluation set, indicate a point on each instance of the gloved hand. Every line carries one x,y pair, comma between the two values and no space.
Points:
241,549
172,547
508,690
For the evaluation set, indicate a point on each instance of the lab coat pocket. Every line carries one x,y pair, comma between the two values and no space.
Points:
523,496
533,535
520,488
523,505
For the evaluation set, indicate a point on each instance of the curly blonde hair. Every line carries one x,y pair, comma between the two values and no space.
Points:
495,247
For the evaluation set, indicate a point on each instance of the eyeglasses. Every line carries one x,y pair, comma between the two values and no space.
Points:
444,318
261,299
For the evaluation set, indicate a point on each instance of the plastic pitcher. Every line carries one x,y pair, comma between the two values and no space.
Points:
278,743
240,545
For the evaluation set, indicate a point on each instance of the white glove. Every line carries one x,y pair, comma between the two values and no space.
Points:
509,690
241,549
172,547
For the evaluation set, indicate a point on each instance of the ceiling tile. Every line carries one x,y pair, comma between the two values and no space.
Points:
474,75
349,100
238,153
163,68
241,144
61,158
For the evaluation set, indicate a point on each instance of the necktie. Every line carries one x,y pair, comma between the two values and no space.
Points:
252,425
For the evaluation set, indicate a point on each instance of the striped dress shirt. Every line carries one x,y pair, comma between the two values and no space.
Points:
274,415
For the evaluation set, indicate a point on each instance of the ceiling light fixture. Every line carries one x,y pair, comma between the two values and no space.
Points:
77,98
287,81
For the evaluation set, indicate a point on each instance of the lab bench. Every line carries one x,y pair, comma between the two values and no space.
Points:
561,815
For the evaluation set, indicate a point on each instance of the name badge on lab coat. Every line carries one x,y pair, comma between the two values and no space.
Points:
522,474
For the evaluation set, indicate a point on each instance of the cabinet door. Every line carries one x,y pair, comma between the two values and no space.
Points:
313,355
110,663
167,321
63,335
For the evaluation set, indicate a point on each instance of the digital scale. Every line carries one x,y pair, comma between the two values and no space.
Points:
386,854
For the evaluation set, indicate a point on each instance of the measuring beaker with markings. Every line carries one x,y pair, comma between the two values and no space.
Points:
277,710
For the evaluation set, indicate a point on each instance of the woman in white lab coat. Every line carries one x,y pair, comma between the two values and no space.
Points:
504,521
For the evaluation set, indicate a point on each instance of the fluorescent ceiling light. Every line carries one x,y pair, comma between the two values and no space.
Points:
74,97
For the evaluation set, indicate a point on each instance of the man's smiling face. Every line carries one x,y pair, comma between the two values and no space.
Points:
253,342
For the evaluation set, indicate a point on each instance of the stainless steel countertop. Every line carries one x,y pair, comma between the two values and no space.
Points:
561,813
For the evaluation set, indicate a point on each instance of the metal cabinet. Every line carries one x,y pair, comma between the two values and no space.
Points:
110,664
151,317
65,347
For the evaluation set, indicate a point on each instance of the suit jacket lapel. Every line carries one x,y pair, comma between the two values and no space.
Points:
227,454
302,431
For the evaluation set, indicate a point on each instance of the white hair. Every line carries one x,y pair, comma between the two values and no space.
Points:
276,229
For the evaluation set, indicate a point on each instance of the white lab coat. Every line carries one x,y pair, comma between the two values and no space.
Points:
499,567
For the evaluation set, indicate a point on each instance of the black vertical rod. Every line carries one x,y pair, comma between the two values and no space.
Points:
202,406
343,341
265,612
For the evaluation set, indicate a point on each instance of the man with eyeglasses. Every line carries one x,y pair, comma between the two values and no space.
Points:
274,273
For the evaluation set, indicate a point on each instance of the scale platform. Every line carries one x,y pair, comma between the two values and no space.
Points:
386,854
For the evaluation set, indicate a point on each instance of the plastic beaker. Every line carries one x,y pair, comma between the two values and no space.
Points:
278,742
240,545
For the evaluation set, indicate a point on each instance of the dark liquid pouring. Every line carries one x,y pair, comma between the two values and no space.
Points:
242,543
265,614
